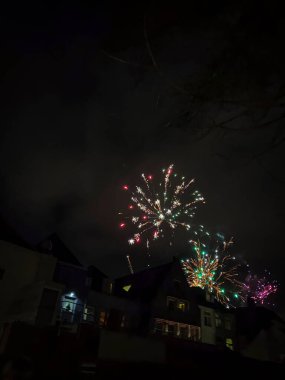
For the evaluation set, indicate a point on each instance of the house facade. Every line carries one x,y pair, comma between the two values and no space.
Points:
168,307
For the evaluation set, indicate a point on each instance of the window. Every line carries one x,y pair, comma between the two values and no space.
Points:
194,333
88,314
176,304
69,302
229,343
228,324
218,320
183,331
181,305
178,330
170,327
123,321
210,297
126,288
207,319
2,271
102,318
158,326
171,303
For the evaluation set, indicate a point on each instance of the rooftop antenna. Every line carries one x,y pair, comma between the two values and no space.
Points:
130,264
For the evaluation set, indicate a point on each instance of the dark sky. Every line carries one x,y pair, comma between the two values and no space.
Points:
92,96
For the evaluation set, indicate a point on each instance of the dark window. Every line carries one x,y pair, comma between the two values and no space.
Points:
184,332
158,326
2,271
171,329
207,319
171,303
218,320
228,324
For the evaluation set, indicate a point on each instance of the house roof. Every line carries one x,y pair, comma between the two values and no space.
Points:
54,246
143,284
253,319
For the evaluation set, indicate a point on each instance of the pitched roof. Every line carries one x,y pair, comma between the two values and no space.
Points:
252,320
143,284
54,246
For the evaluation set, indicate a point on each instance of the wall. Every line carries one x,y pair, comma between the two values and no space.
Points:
208,332
268,344
106,302
175,285
73,277
125,348
26,273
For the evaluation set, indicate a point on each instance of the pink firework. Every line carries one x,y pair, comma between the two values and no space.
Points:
259,289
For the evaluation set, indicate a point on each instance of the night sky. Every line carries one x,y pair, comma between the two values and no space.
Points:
93,96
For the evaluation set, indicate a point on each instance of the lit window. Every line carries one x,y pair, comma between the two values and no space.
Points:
218,320
174,304
229,343
194,333
179,330
102,318
126,288
181,306
207,319
88,313
69,302
228,325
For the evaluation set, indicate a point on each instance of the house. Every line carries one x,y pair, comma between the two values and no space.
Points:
27,285
47,284
73,278
168,307
260,333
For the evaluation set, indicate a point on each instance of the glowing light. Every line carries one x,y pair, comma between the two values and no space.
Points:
125,187
131,207
162,207
122,225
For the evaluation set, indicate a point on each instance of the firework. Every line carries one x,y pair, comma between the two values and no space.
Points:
157,211
259,289
214,270
130,264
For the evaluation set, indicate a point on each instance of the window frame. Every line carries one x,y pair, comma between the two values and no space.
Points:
208,317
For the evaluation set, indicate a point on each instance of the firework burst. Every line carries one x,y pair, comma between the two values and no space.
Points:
259,289
157,211
216,272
